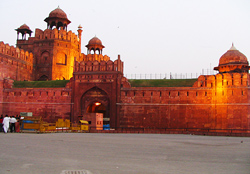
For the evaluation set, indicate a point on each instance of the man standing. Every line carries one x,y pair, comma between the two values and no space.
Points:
6,123
12,124
1,123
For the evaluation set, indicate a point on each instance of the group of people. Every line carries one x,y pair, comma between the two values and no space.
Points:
8,123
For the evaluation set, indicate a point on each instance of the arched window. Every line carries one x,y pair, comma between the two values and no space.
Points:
61,59
44,58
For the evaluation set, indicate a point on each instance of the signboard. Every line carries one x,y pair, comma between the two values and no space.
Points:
26,114
106,119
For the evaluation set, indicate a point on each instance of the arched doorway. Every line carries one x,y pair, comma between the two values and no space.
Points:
96,100
43,78
98,107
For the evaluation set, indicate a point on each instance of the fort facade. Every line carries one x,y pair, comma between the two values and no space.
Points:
97,85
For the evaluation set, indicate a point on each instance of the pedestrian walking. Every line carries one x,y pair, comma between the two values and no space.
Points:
12,124
6,123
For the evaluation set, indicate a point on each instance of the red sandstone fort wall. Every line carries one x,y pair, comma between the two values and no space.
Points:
56,34
54,52
50,103
96,66
103,77
15,63
225,105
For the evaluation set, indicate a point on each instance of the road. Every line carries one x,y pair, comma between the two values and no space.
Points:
86,153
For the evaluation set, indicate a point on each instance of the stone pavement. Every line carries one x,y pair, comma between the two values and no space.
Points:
87,153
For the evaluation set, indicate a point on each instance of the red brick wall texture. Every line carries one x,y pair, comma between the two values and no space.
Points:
50,104
223,106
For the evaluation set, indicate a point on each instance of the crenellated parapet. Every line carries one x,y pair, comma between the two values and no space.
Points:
95,66
223,80
95,57
56,34
15,63
17,53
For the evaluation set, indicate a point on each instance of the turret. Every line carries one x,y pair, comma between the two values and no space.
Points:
57,18
24,30
95,45
233,61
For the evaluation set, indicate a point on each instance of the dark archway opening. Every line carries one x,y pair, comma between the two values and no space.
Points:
43,78
96,100
98,107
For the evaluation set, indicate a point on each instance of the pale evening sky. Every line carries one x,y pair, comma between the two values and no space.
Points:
152,36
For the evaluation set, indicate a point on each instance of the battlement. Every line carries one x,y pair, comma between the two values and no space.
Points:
223,80
15,63
56,34
221,87
94,66
17,53
94,57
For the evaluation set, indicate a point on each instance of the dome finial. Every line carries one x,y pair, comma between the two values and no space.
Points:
232,47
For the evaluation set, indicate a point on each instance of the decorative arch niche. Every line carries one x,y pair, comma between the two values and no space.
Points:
45,57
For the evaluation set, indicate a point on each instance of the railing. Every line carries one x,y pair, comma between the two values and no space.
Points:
171,75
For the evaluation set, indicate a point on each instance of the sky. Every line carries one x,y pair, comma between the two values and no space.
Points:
151,36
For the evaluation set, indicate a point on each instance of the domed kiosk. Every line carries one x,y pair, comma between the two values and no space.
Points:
23,29
95,45
233,61
57,18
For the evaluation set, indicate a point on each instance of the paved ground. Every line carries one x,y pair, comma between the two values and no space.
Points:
60,153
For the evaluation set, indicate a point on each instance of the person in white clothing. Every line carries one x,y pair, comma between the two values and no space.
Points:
6,123
12,124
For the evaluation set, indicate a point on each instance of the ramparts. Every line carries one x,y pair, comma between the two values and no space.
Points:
56,34
50,103
15,63
94,66
215,102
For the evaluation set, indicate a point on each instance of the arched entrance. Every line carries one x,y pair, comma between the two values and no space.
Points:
96,107
43,78
96,100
